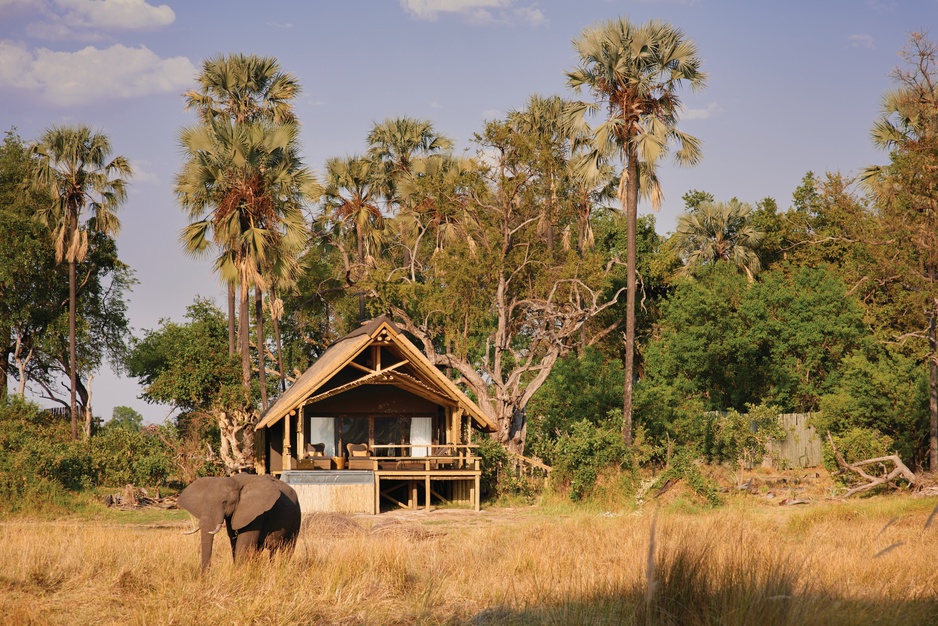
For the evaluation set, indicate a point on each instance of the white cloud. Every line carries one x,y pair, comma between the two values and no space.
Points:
476,11
861,41
92,74
142,175
702,114
116,14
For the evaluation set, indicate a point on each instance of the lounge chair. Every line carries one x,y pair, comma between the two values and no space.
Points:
359,457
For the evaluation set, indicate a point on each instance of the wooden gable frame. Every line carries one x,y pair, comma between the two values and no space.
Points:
409,370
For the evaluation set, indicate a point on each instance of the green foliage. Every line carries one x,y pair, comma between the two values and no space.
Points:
882,391
188,365
741,439
856,443
588,449
42,469
499,480
580,387
683,466
124,417
121,456
780,340
39,462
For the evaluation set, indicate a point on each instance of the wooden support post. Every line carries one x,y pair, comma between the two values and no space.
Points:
476,493
377,493
427,489
287,463
300,434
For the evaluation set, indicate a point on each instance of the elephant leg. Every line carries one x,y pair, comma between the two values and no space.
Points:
233,540
247,543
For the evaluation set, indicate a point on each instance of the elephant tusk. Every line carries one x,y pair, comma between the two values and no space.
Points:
217,528
192,532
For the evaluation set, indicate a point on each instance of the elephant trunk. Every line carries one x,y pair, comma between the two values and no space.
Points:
208,538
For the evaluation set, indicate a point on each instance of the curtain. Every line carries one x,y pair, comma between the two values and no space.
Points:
322,430
421,430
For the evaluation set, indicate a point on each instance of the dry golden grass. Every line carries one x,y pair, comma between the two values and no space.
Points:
814,564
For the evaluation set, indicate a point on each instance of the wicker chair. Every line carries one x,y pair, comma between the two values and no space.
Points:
359,457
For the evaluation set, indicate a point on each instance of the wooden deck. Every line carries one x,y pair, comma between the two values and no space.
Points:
343,484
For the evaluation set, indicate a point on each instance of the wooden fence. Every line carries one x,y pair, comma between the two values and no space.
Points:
802,447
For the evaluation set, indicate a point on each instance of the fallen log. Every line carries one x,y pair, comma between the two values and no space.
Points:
899,470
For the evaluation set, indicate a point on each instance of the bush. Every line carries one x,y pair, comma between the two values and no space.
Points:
583,454
856,444
42,467
683,466
39,462
499,480
122,456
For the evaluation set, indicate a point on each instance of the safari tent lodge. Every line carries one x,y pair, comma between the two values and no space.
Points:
371,425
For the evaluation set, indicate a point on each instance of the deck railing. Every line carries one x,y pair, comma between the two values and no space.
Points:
402,457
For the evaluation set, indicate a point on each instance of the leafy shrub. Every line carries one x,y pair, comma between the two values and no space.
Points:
741,438
856,444
499,480
123,456
581,455
39,463
580,387
683,466
42,467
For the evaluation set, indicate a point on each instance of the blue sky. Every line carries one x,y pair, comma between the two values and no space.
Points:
793,86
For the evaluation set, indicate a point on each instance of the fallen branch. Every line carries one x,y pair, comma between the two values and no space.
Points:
899,471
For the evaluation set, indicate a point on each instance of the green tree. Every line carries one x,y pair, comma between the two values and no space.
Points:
71,165
125,417
583,386
29,300
352,220
187,366
721,231
395,143
635,71
497,305
880,391
906,193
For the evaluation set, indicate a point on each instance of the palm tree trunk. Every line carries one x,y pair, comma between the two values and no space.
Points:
72,354
232,335
275,318
261,353
631,217
244,332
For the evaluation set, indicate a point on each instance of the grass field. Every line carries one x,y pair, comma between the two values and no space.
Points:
860,562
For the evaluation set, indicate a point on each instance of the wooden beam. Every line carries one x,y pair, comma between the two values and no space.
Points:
364,380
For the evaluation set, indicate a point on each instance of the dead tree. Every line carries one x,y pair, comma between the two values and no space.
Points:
899,470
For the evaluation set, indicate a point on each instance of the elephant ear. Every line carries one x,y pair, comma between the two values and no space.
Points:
258,495
207,499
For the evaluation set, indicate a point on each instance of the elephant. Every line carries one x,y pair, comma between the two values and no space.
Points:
260,512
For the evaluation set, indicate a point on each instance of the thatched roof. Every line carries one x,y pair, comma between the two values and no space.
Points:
413,373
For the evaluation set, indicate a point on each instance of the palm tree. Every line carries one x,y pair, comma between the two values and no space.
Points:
719,231
634,72
243,185
351,208
396,142
243,88
72,165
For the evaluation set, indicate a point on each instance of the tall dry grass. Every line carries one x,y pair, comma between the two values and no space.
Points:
814,565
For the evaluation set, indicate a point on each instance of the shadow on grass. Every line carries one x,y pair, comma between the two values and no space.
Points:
692,584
